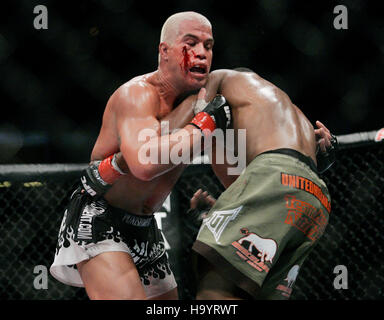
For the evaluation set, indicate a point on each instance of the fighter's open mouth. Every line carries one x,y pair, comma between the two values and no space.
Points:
198,69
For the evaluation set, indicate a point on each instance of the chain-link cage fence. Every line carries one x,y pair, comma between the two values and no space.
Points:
353,237
33,197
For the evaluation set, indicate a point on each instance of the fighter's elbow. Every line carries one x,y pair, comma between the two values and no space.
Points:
141,167
144,172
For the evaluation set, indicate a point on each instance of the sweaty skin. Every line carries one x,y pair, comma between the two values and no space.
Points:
130,192
142,103
271,121
270,118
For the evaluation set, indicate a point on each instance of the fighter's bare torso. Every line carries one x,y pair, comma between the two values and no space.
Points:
271,121
130,193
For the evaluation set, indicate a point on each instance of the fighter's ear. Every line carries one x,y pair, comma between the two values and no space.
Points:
163,51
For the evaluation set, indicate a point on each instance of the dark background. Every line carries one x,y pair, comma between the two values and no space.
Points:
54,83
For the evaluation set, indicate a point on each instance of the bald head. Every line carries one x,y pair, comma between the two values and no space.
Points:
185,50
171,26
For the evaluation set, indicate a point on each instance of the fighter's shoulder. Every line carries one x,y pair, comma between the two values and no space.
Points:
135,92
216,79
233,75
136,88
219,74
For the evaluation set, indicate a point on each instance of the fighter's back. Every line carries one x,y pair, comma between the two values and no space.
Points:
270,118
260,201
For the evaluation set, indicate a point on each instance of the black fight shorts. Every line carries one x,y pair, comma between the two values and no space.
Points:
90,227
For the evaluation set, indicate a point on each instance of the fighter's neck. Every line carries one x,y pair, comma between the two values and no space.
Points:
166,88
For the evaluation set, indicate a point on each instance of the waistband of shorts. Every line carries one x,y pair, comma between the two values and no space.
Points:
125,216
296,154
131,218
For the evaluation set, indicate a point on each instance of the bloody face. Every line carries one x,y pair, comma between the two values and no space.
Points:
193,51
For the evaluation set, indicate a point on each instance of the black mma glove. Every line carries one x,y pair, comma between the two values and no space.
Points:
217,114
98,178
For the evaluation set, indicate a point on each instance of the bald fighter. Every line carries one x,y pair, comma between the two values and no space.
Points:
111,245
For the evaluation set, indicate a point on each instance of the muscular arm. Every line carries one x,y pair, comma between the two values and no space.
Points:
178,118
181,115
220,168
139,131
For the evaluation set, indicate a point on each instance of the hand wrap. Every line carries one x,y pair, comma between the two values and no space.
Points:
217,114
98,178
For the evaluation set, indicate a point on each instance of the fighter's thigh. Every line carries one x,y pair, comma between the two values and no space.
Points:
214,287
111,275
